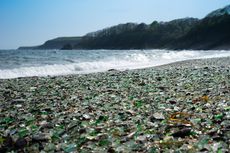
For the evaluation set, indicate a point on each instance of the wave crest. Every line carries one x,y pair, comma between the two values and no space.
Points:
121,60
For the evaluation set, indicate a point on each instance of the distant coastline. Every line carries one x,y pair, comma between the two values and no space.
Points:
209,33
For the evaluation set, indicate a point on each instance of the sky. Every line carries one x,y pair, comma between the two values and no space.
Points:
32,22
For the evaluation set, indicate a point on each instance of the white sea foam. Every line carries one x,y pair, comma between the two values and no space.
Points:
121,60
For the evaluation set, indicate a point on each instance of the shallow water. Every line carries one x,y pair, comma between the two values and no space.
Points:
23,63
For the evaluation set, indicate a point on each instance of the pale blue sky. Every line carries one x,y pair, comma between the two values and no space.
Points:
31,22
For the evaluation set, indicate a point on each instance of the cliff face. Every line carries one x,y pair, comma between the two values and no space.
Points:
211,32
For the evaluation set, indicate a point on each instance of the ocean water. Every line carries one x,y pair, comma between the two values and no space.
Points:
24,63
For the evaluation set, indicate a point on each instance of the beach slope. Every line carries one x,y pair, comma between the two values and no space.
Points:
183,106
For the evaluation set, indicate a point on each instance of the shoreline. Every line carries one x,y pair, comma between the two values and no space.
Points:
181,106
184,63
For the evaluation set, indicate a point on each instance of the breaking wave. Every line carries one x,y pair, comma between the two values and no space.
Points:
103,60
